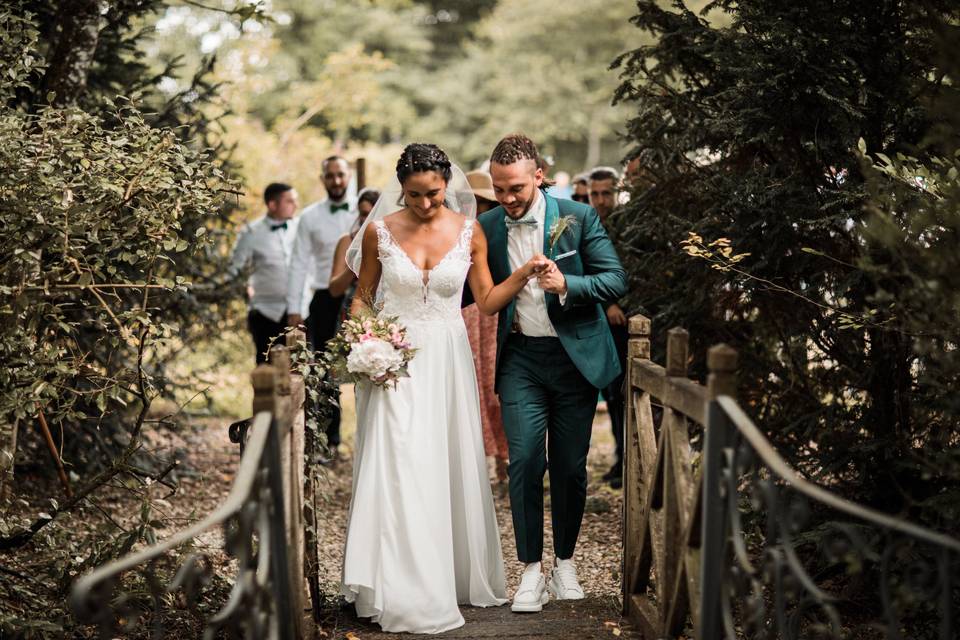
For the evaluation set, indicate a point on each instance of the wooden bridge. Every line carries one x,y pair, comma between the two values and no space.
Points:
713,544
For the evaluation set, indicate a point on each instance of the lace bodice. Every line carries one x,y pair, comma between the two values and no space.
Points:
415,295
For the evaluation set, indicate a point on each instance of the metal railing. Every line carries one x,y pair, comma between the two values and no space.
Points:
263,529
786,585
723,539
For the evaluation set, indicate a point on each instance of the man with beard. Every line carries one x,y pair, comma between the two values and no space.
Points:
554,350
322,224
603,194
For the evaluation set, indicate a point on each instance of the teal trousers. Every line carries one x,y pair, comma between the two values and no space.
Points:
548,409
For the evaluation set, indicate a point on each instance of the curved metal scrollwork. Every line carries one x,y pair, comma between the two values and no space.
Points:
812,565
259,604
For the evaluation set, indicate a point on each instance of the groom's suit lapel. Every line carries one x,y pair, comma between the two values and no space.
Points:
499,262
498,249
551,215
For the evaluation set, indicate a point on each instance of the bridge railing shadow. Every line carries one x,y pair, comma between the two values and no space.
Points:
724,539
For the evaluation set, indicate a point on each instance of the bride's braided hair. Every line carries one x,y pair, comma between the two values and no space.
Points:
419,157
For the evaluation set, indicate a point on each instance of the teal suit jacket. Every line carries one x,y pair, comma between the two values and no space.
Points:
593,274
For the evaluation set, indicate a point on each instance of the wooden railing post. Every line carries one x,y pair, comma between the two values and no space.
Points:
264,379
310,560
722,380
639,344
677,352
676,557
634,489
290,423
722,364
267,383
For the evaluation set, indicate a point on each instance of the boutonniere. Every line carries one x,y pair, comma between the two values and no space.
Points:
558,228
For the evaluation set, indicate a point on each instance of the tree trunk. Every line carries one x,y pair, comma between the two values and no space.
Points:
887,416
79,23
593,139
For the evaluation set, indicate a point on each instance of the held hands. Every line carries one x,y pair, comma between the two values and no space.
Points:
294,320
551,279
535,266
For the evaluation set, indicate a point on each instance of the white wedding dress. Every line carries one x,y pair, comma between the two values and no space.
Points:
422,534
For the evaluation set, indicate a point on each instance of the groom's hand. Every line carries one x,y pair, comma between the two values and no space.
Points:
552,281
537,265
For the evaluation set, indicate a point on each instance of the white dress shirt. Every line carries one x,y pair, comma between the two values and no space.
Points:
268,251
316,241
524,242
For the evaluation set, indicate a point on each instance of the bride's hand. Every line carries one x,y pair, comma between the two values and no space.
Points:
535,266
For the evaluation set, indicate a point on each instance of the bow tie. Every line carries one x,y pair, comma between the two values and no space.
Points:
274,227
343,206
525,220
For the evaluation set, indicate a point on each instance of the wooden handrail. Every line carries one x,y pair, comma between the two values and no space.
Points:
661,484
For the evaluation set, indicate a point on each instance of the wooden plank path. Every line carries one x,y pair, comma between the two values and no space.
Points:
595,618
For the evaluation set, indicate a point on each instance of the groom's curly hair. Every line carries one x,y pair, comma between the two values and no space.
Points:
516,147
419,157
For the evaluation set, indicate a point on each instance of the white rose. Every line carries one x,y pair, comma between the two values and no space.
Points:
373,358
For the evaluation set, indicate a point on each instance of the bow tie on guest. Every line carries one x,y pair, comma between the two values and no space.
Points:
343,206
527,220
282,225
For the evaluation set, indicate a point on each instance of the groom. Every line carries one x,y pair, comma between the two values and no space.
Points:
554,351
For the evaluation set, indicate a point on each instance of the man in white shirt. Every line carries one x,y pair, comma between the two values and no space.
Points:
322,224
265,246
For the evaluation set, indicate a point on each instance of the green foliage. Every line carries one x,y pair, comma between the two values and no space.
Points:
841,301
538,69
105,216
341,74
92,219
319,387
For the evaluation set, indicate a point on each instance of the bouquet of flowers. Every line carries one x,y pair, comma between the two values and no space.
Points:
371,348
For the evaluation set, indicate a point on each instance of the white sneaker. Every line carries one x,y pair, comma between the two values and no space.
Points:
531,594
563,583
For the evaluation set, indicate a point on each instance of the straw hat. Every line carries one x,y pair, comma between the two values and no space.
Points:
482,185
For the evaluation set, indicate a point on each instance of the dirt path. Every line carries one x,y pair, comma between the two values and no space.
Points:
597,556
37,577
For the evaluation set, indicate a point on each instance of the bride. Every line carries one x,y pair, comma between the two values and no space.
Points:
422,534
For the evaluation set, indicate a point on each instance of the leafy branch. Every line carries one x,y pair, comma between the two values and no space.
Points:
721,256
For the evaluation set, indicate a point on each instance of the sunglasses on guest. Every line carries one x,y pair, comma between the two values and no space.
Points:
580,197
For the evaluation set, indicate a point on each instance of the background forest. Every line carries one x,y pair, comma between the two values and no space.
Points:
366,77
